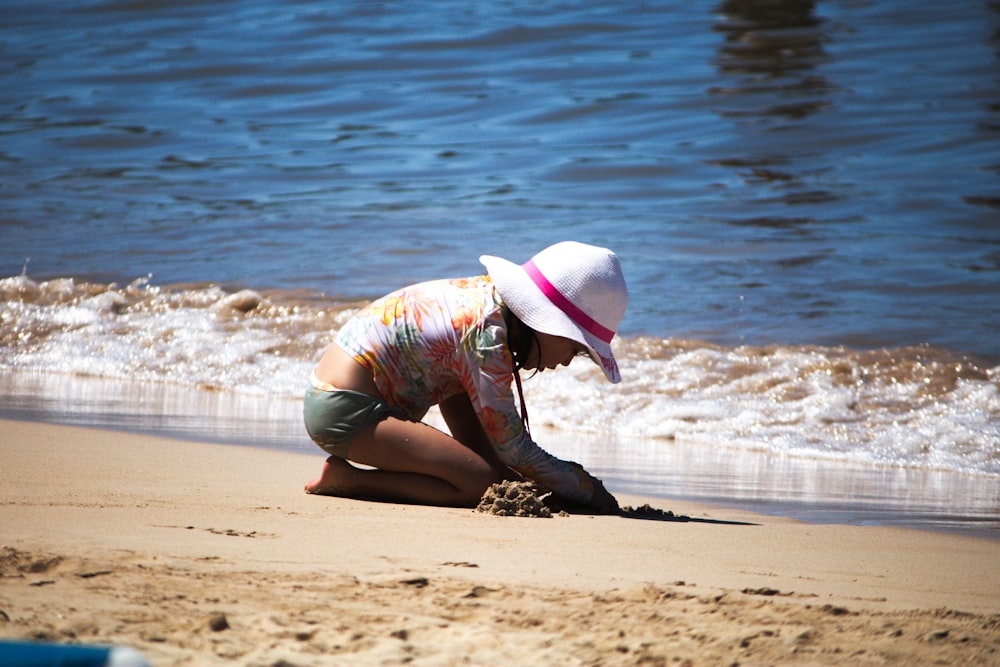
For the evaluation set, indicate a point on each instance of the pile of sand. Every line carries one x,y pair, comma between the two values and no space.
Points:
647,511
514,499
528,499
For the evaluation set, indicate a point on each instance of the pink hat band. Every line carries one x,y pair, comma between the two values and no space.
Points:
569,290
559,300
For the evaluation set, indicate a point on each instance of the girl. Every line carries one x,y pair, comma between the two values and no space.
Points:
459,344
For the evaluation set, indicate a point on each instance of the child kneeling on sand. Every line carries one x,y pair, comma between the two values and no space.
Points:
459,344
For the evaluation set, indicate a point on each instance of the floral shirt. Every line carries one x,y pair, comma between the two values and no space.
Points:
430,341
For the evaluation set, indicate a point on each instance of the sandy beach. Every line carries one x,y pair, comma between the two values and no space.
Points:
199,554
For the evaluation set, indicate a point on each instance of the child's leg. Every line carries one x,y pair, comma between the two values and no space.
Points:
415,463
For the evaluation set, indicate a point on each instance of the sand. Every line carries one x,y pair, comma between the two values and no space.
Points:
200,554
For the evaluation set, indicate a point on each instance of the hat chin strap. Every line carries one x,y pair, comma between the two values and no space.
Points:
524,406
552,293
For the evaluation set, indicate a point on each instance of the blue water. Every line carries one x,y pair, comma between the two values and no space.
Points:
805,197
798,172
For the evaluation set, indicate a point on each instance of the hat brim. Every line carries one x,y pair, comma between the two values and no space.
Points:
526,300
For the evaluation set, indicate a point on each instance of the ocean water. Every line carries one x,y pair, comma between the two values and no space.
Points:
805,197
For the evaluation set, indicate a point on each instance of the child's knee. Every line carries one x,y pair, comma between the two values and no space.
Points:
474,490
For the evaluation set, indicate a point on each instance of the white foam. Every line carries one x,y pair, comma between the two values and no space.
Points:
915,408
786,402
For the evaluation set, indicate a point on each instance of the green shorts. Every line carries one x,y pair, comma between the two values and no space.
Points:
333,418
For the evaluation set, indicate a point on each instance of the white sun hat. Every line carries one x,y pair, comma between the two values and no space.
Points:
570,289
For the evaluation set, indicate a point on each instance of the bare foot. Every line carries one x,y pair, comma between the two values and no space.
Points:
332,479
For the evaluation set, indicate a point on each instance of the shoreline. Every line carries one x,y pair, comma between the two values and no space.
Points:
113,537
811,490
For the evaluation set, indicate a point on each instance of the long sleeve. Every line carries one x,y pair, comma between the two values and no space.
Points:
489,383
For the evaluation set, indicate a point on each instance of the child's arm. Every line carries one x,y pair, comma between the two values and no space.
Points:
602,501
465,427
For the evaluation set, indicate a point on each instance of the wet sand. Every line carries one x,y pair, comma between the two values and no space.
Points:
200,554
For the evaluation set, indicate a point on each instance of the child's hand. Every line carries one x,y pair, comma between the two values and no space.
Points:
603,502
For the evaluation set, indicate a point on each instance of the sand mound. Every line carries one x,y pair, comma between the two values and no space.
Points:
528,499
647,511
514,499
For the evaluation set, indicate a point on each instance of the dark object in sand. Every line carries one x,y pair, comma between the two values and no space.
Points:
218,622
513,499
